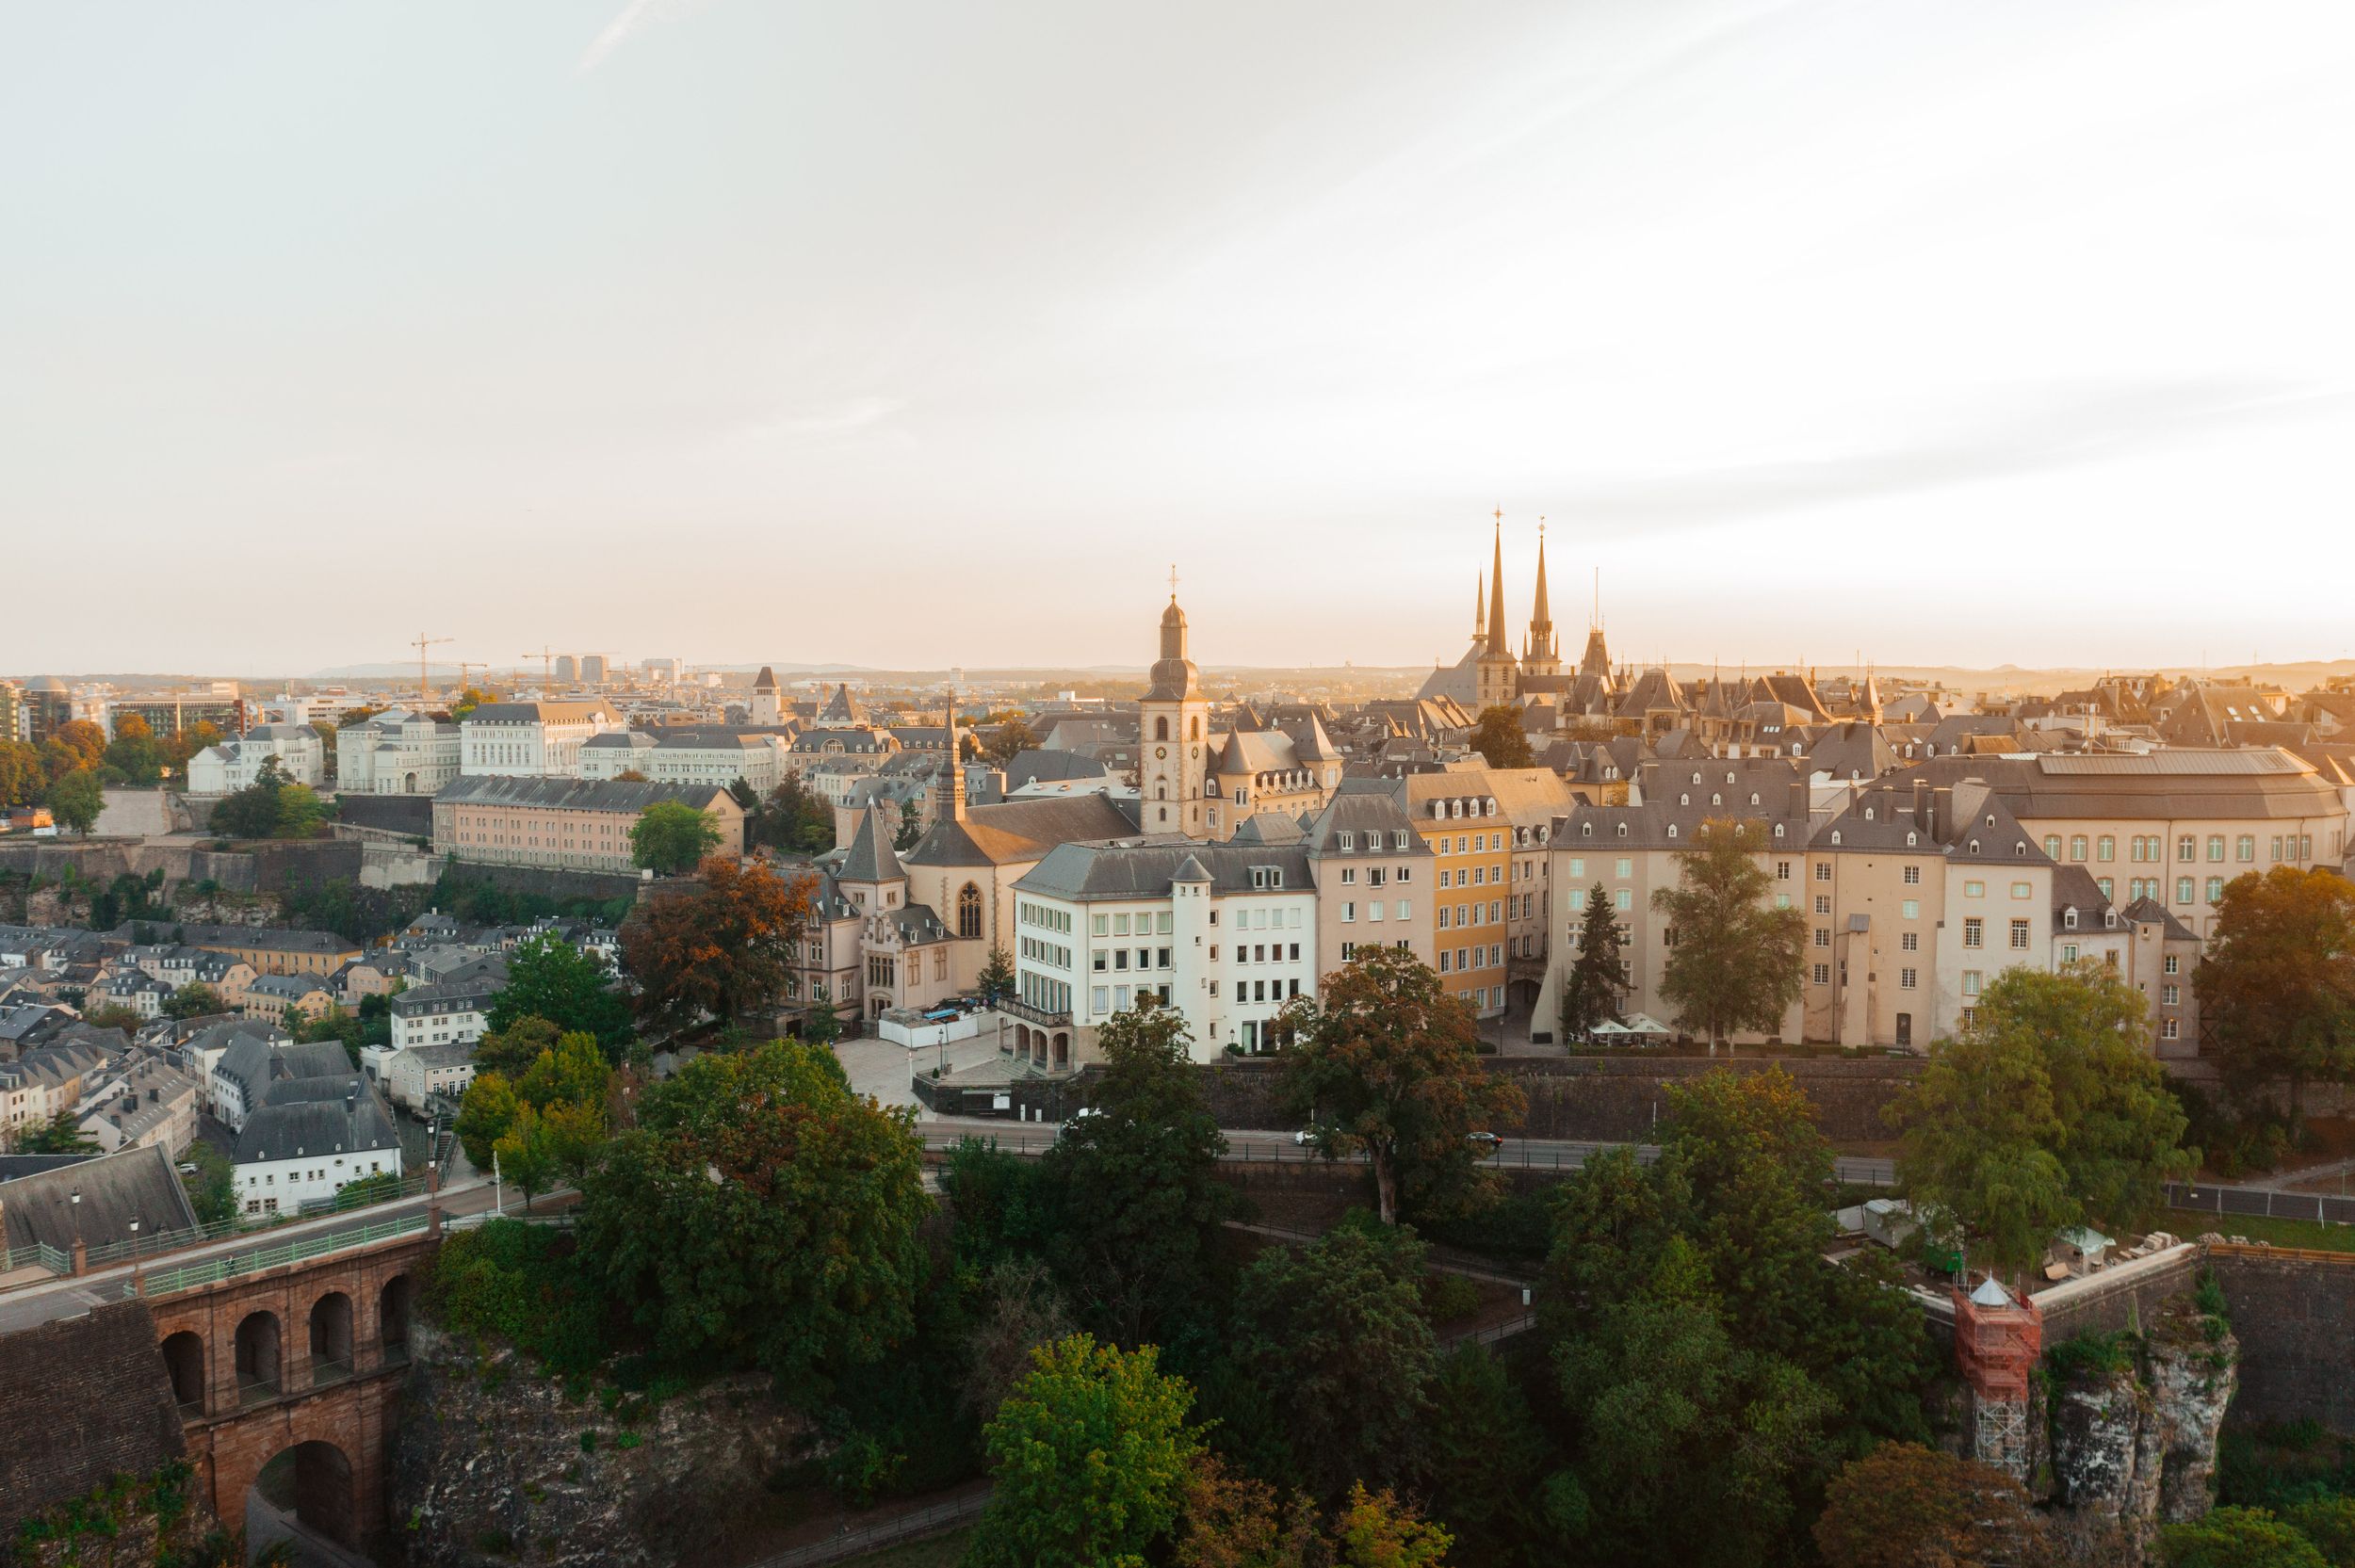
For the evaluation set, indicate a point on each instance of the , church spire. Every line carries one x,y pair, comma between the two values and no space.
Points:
1480,608
1541,621
956,765
1499,643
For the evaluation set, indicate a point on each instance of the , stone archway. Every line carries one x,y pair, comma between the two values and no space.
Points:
392,1318
184,1362
258,1358
312,1354
331,1338
311,1481
1063,1052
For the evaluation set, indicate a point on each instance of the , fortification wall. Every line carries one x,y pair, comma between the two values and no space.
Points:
258,867
555,884
82,1400
2294,1313
410,815
2125,1296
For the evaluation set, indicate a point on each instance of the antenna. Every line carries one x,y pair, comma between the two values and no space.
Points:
421,644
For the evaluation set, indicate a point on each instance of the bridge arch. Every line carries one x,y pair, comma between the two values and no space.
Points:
184,1362
314,1481
287,1356
393,1303
260,1352
331,1339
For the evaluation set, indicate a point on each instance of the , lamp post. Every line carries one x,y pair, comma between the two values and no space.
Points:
135,1254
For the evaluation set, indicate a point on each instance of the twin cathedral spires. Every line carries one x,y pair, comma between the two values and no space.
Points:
1503,677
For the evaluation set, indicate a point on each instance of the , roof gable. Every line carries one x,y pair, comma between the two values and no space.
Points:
872,858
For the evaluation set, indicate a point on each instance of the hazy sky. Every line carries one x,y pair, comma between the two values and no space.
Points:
918,333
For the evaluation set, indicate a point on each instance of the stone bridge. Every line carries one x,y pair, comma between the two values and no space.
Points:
307,1357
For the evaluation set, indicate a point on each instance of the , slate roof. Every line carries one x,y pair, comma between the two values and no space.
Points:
290,988
1368,816
872,858
116,1188
1848,750
269,938
629,797
254,1063
827,901
1029,766
2075,888
2163,784
300,1128
689,737
225,1034
1020,830
52,1064
450,997
296,1092
1258,752
542,713
1267,827
840,709
1143,868
1967,823
2150,912
1457,682
915,925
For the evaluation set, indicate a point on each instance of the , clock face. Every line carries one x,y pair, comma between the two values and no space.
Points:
1160,750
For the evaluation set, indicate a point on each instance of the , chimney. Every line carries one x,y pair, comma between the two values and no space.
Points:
1921,806
1799,799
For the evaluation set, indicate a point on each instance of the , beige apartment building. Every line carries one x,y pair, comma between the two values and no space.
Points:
1463,819
1530,799
564,824
1374,876
1921,888
1917,897
274,996
2142,943
2172,825
1914,900
267,950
